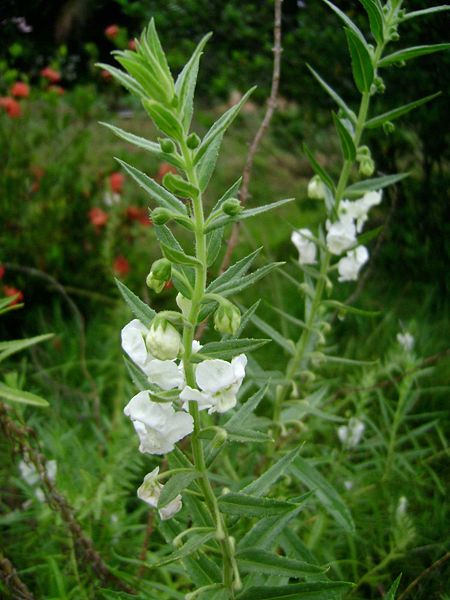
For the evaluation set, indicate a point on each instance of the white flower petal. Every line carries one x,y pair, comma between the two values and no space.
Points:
306,248
189,394
133,342
213,375
165,373
171,509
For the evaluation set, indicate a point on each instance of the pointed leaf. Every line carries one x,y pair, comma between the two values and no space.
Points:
241,415
236,271
261,485
175,485
265,532
141,311
318,169
347,143
246,214
123,78
275,335
426,11
227,349
320,590
194,543
213,245
392,591
12,346
232,192
348,22
261,561
179,257
234,287
377,183
207,164
413,52
243,505
164,119
398,112
376,19
156,191
20,396
339,101
362,67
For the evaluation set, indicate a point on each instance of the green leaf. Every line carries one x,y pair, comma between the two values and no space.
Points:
324,491
164,119
267,479
186,82
221,125
245,318
235,272
232,192
248,436
141,311
320,590
398,112
426,11
392,591
213,245
350,25
233,287
260,561
376,19
175,485
178,257
246,214
142,72
156,191
362,67
207,164
244,412
265,532
123,78
413,52
351,309
137,376
152,147
243,505
347,143
275,335
334,95
21,397
12,346
318,170
194,543
377,183
157,50
227,349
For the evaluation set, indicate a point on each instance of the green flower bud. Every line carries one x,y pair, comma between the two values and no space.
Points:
159,275
232,207
163,340
367,167
161,215
193,141
388,127
166,145
227,318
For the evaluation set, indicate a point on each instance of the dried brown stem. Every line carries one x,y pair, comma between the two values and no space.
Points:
262,130
20,435
435,565
8,574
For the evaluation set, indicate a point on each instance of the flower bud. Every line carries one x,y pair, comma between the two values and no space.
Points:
183,304
367,167
232,207
227,318
161,215
160,273
163,340
388,127
193,141
316,190
166,145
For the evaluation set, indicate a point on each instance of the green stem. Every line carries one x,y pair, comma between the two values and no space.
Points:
230,575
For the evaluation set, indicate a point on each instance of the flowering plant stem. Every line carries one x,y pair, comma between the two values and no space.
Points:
306,339
230,571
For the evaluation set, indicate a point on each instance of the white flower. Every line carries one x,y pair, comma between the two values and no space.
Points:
158,426
402,507
348,485
341,235
350,435
358,210
166,374
306,248
31,476
406,341
163,340
219,382
350,265
111,198
133,342
150,491
316,190
184,304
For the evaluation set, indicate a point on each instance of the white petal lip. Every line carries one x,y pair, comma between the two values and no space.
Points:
133,341
213,375
152,414
165,373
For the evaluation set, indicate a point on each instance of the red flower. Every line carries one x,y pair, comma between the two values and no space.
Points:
11,106
98,217
165,168
132,44
112,31
2,271
12,291
57,89
134,213
121,266
20,90
106,75
51,74
116,180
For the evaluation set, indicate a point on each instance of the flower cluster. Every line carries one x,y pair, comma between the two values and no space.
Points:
350,435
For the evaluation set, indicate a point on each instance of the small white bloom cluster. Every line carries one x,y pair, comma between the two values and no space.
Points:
406,341
350,435
306,247
159,425
31,476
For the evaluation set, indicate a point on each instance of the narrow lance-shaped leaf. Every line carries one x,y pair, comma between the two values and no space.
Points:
178,257
395,113
318,169
142,311
175,485
348,22
244,505
236,271
320,590
164,119
213,245
232,192
267,479
20,396
236,286
246,214
347,144
414,52
12,346
275,335
207,164
240,416
376,18
362,67
123,78
367,185
261,561
194,543
426,11
339,101
159,194
227,349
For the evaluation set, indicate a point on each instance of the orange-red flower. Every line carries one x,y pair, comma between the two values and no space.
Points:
112,31
11,106
51,74
98,217
121,266
165,168
12,291
135,213
20,90
57,89
106,75
116,181
2,271
132,44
